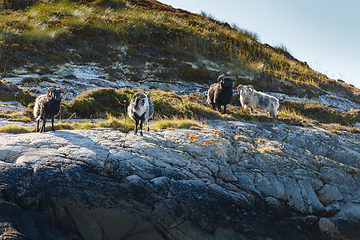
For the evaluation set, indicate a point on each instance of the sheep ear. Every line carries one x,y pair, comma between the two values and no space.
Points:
251,88
239,88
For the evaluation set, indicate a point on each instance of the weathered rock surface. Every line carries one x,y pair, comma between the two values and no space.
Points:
232,181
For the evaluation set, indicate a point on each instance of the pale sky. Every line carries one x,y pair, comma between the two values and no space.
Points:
325,34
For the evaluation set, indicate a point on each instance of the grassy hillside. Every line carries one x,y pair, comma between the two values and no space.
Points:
41,35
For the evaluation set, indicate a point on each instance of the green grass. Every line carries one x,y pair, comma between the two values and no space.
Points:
14,128
176,123
20,116
120,124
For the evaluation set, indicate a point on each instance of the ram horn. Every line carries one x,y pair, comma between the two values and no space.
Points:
251,88
233,79
239,87
49,91
221,77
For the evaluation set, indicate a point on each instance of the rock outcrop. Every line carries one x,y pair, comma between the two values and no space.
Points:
232,181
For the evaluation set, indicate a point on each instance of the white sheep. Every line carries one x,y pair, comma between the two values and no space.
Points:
254,100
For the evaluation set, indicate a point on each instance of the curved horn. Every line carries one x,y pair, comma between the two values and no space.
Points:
63,92
233,79
220,78
49,91
239,88
251,88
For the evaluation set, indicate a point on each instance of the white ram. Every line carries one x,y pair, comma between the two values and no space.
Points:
250,98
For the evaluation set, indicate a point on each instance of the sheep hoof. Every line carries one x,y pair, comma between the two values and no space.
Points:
141,133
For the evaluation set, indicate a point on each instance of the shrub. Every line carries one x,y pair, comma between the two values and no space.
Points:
98,102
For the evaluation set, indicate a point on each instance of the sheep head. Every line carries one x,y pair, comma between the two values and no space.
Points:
141,100
246,90
56,94
63,92
226,81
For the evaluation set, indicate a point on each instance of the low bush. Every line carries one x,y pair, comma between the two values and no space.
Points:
99,102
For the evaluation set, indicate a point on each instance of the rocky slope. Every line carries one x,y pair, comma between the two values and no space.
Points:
231,181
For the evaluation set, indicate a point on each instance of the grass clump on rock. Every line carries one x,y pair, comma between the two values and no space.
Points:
98,102
14,128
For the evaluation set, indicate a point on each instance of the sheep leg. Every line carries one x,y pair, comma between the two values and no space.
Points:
247,107
136,126
274,115
43,126
52,125
37,127
148,125
224,109
219,108
141,124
